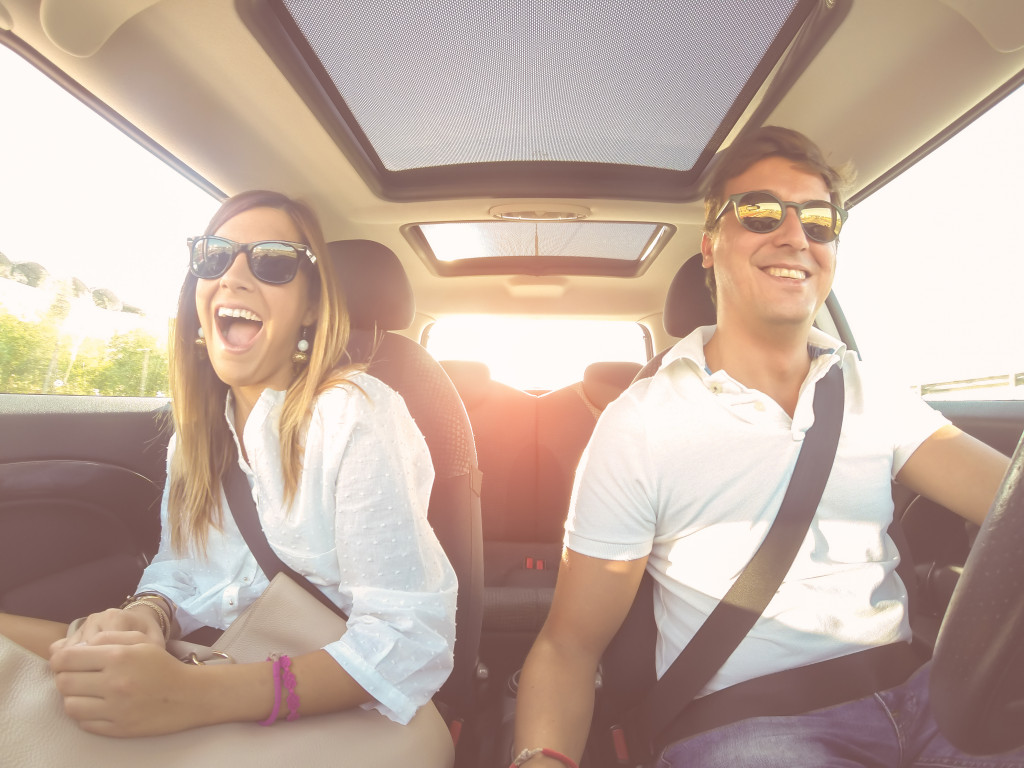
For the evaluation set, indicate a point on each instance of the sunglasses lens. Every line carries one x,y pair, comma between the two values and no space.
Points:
211,256
821,221
274,262
759,212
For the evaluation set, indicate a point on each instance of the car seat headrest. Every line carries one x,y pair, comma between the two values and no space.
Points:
471,378
374,283
603,382
688,303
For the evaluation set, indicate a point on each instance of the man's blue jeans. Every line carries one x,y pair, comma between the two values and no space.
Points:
891,729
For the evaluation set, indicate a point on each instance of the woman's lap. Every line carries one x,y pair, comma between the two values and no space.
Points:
34,634
892,729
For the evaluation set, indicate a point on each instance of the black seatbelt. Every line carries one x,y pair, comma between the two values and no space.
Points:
740,608
243,510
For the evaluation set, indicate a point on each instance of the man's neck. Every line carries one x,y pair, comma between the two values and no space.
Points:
773,360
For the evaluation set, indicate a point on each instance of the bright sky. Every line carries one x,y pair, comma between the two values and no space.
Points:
87,202
931,267
923,265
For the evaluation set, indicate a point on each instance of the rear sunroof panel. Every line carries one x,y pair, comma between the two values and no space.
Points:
453,241
438,84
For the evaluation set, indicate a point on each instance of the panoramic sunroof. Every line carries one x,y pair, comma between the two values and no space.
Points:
539,247
462,96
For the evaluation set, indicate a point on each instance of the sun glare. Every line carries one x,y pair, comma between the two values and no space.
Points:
533,353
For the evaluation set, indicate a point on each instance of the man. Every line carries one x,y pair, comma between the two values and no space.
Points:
686,471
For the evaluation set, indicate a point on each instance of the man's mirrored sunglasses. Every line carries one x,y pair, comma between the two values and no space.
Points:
272,261
763,212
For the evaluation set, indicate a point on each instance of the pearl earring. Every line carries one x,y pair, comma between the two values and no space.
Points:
200,347
301,354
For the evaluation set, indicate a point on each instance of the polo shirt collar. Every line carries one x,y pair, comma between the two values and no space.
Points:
819,344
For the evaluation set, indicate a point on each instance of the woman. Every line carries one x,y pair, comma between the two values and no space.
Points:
342,479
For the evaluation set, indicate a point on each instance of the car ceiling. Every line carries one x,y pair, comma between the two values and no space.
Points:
891,82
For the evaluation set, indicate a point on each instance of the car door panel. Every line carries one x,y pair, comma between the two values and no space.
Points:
80,486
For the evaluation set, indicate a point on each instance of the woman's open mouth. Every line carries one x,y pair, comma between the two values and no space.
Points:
238,327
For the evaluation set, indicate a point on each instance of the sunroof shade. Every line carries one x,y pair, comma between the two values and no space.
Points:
496,239
540,247
436,84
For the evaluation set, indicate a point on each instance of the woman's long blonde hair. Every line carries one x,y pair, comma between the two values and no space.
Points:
205,447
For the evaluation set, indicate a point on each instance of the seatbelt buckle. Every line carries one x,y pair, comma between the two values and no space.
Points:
620,744
455,730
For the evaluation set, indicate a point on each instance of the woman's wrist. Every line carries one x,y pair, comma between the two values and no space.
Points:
535,756
159,607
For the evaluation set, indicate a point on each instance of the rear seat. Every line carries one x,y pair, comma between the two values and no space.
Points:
565,420
528,448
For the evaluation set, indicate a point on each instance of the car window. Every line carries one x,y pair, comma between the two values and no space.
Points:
92,251
931,266
536,354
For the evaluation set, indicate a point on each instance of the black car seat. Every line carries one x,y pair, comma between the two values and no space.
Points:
688,306
380,300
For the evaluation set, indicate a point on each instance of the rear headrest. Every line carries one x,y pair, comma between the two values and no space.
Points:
470,377
688,303
376,288
603,382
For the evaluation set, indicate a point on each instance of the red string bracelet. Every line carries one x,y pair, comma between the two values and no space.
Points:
527,754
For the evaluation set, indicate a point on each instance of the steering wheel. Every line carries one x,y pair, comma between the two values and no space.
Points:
977,676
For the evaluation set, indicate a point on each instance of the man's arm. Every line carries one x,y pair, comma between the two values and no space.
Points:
957,471
556,688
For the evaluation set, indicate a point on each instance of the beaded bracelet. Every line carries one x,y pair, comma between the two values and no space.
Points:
282,673
528,754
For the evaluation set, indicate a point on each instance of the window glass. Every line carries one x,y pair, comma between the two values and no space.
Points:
92,246
931,267
536,353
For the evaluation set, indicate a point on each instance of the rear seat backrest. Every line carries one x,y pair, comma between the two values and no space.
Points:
529,448
565,421
503,420
603,382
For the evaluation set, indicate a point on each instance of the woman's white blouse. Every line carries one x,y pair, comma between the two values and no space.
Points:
357,528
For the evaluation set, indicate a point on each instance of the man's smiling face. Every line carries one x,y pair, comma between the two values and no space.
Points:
774,278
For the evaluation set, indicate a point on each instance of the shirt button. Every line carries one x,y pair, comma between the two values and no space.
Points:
716,389
759,406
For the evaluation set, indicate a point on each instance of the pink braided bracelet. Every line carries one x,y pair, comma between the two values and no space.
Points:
288,678
282,673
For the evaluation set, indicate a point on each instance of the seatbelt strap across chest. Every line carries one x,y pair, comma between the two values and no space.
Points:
740,608
243,510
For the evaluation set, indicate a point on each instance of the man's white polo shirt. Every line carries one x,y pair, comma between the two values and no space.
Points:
690,468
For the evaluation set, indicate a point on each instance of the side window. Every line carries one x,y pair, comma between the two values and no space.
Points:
92,251
931,267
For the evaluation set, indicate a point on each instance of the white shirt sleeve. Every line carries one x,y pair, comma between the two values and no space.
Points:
402,590
907,417
169,574
613,511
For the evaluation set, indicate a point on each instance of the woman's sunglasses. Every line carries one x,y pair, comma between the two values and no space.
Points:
272,261
763,212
